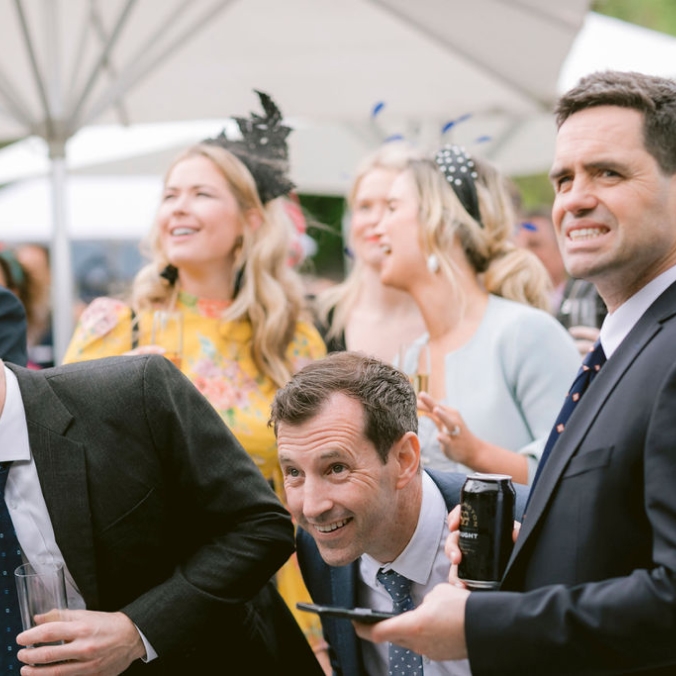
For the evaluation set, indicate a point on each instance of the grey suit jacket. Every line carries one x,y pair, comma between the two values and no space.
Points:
337,585
596,556
161,514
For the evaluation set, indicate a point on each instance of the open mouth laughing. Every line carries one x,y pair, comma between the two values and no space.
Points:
181,230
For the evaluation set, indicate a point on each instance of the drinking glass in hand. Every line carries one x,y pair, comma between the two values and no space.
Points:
582,311
414,361
41,588
167,332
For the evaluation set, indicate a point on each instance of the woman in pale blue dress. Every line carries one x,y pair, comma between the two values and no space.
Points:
500,364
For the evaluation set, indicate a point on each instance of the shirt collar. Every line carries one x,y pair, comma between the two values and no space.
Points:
13,429
417,559
617,325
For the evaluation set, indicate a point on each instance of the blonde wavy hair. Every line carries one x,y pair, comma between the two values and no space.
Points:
507,271
393,156
271,295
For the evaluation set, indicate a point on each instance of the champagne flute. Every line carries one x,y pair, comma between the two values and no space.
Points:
414,361
167,332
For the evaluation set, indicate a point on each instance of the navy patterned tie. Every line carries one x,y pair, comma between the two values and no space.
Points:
10,560
591,365
402,661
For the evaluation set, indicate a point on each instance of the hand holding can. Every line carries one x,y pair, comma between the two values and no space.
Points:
485,533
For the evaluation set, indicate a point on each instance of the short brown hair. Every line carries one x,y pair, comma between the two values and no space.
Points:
386,395
653,96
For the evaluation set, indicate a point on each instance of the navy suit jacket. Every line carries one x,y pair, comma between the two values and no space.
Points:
337,585
594,566
12,328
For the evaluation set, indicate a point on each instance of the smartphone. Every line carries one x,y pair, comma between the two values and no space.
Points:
360,614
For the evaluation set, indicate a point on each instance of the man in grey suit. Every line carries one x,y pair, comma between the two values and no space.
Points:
167,529
591,584
350,456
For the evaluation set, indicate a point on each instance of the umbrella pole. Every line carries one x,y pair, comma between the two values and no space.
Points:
62,274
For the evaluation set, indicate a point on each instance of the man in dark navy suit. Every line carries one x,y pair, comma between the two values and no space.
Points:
591,584
346,434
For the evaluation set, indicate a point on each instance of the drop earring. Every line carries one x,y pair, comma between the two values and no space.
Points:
433,263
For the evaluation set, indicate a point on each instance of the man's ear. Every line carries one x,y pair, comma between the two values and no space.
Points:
406,453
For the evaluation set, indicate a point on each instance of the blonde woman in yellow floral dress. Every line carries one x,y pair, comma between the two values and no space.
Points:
219,249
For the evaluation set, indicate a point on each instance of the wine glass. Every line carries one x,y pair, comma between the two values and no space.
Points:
167,332
414,361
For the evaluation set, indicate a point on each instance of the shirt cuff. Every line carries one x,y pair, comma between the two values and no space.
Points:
150,651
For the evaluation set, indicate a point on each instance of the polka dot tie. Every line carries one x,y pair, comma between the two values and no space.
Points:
10,559
401,660
591,365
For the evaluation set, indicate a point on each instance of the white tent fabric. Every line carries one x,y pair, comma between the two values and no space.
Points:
99,207
606,43
87,61
68,64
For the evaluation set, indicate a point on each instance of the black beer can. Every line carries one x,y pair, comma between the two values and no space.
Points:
486,525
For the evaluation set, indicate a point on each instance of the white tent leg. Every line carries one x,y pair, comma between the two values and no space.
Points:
62,274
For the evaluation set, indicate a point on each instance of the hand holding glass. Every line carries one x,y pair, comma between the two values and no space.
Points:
167,332
581,311
41,588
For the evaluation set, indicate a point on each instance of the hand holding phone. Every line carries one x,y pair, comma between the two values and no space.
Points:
359,614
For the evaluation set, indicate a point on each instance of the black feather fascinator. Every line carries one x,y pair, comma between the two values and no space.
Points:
262,149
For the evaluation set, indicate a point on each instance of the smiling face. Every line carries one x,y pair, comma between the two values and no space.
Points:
399,233
199,219
338,489
370,202
614,210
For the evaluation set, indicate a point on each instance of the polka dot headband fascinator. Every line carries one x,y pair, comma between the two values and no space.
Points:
459,170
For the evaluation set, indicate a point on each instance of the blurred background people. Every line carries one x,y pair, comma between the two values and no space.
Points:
31,290
500,364
219,252
536,233
574,302
12,327
361,313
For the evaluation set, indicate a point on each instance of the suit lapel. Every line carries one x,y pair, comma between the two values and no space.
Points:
344,593
584,415
61,465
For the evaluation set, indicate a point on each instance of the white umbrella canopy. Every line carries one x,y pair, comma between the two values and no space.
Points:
164,60
608,43
99,208
68,64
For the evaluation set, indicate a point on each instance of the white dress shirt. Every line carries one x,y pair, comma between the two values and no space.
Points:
23,494
24,498
617,325
425,563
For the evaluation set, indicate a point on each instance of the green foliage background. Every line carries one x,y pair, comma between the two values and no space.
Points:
659,15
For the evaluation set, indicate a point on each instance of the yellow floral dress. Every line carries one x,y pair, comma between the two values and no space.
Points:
217,359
